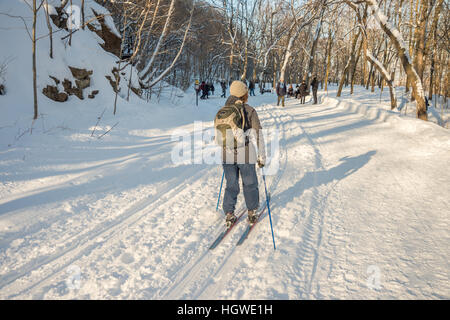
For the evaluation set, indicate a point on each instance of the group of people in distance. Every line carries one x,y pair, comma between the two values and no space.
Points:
301,91
206,89
250,86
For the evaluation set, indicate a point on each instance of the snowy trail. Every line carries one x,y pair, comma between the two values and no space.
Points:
360,210
215,264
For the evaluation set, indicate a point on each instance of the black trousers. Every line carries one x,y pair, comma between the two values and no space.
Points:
315,96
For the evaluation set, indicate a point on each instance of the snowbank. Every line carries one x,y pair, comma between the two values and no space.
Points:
377,107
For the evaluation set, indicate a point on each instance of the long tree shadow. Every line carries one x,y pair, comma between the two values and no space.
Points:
348,166
103,184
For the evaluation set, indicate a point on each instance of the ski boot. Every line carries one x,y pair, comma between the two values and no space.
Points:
252,216
230,219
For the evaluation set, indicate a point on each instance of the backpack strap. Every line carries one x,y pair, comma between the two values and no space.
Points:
241,111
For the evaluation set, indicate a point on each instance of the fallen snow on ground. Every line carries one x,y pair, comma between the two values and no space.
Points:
360,206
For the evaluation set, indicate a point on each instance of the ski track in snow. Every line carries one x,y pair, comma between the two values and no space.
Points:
343,203
215,263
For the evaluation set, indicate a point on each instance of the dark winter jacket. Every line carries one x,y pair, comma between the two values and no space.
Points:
303,88
252,130
281,89
291,91
314,84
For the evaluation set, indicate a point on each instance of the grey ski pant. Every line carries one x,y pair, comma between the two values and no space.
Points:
249,182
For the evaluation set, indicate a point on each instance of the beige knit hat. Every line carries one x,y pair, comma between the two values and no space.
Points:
238,89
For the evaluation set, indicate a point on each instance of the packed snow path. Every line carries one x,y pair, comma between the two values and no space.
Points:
360,209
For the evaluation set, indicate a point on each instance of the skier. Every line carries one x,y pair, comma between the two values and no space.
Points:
240,158
281,92
314,87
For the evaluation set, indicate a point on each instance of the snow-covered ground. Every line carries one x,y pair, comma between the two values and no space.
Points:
360,207
92,205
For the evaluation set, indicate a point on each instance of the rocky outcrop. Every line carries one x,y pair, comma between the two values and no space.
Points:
112,42
60,18
137,91
82,81
82,77
70,90
93,94
53,93
115,80
80,73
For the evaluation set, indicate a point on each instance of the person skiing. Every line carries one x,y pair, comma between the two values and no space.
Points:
240,158
281,92
303,89
314,87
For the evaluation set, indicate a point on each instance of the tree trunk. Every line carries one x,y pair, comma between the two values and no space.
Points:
70,24
327,72
314,47
347,66
355,63
50,29
420,38
82,14
34,61
401,49
431,45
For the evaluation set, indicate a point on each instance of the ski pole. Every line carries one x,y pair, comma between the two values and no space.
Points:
268,208
220,190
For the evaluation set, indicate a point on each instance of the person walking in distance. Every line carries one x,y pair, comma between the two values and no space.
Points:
251,87
238,126
303,89
314,87
281,92
223,84
204,89
290,91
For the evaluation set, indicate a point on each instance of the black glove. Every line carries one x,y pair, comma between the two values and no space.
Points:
260,163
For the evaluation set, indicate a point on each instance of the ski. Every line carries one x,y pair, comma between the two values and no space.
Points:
224,233
251,226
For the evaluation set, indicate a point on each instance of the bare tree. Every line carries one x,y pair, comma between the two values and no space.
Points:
402,51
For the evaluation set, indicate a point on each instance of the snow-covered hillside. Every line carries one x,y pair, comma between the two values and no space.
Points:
85,53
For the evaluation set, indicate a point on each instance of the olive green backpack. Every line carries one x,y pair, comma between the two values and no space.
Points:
230,118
